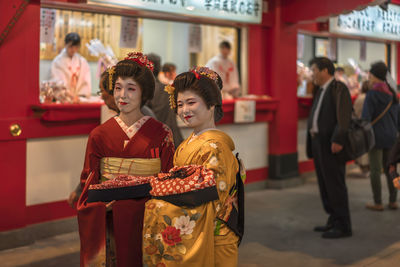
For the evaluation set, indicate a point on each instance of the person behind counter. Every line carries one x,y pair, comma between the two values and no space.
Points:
71,68
167,74
207,233
227,70
127,144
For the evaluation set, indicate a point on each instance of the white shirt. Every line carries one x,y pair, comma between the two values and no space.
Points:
314,129
227,70
73,72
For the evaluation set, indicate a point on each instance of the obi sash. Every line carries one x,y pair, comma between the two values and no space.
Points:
188,186
111,167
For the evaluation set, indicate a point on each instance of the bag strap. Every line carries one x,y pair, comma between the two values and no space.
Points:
382,114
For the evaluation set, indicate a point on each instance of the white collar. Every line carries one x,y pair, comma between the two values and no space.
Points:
327,83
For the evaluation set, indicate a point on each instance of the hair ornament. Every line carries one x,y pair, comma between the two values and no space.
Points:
170,89
110,71
204,71
141,59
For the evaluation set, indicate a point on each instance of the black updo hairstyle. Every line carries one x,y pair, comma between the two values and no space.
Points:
141,74
208,89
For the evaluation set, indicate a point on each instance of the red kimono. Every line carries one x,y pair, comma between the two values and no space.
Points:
146,139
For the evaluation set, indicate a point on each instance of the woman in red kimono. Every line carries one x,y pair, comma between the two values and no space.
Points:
130,144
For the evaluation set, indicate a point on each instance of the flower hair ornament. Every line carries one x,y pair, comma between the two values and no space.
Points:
170,89
110,71
141,59
204,71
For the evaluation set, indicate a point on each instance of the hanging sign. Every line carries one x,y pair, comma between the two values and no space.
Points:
249,11
129,32
47,25
371,22
195,38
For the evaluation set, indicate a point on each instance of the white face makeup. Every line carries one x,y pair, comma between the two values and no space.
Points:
128,95
193,111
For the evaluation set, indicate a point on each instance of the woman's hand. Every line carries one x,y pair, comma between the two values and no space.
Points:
73,197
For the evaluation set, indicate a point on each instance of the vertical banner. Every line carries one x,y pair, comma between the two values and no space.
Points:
129,32
195,45
47,25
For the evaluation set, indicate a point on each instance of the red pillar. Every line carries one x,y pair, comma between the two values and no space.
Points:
19,75
272,71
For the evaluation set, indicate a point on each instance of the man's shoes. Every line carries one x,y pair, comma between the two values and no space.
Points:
324,228
337,233
375,207
393,205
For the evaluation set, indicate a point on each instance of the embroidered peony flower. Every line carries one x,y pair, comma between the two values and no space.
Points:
147,236
171,236
213,161
213,145
222,185
185,225
151,206
158,236
159,205
150,250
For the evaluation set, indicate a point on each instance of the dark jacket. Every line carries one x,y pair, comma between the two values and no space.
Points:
160,106
386,128
334,116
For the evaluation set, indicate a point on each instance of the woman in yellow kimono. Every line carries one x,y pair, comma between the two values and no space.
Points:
207,234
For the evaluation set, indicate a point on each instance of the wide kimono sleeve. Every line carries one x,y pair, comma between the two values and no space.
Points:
218,157
84,82
92,160
167,151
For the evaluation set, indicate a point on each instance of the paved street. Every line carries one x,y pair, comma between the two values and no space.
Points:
278,233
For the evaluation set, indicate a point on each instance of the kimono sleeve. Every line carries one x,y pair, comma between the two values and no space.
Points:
92,160
217,157
85,82
167,151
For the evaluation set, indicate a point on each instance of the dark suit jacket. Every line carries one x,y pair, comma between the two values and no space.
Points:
334,116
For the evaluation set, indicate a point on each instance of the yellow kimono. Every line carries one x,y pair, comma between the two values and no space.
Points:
182,236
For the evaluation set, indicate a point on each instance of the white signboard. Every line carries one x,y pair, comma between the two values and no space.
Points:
245,111
129,32
249,11
371,22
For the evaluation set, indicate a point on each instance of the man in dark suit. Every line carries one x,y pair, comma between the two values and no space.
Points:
326,135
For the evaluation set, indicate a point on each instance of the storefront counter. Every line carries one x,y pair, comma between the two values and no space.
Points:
265,109
68,112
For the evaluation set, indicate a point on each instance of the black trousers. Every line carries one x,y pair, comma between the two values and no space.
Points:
330,171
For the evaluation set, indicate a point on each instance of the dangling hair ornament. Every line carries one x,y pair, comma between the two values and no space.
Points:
141,59
170,89
204,71
110,71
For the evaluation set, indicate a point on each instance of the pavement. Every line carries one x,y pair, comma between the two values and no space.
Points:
278,232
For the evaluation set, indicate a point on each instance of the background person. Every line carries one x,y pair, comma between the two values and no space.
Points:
381,99
326,134
72,69
227,70
167,74
160,102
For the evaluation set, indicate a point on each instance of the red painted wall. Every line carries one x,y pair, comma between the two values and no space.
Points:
19,55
